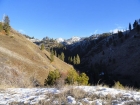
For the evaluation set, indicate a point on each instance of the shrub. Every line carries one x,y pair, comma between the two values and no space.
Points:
51,57
71,77
118,85
83,79
77,93
52,77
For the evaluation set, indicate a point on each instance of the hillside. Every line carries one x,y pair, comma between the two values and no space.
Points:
119,61
21,59
108,57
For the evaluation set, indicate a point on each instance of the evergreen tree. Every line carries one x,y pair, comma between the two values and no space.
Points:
129,26
42,47
1,27
71,59
52,55
62,56
138,28
135,24
6,25
74,60
77,59
6,20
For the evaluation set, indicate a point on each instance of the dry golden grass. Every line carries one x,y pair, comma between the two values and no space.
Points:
17,51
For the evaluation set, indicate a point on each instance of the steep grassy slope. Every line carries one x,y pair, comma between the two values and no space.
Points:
18,52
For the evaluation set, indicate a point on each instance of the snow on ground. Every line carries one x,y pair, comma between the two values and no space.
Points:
94,95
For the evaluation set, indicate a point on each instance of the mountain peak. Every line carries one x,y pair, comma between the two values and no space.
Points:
59,40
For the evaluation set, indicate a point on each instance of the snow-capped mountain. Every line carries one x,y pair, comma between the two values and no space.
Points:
72,40
59,40
69,41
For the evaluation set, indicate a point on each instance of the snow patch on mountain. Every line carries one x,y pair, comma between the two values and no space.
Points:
59,40
73,40
68,41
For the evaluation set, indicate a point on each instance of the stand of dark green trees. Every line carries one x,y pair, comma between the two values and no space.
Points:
74,60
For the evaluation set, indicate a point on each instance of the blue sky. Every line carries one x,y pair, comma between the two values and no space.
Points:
68,18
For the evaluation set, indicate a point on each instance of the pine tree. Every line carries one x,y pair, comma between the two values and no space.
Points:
69,61
77,59
135,24
129,26
138,28
6,25
74,60
42,47
52,56
1,27
62,56
6,20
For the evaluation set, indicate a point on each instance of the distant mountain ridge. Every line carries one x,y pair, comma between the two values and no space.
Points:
69,41
116,55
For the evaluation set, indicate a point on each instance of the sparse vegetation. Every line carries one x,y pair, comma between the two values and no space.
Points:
13,77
